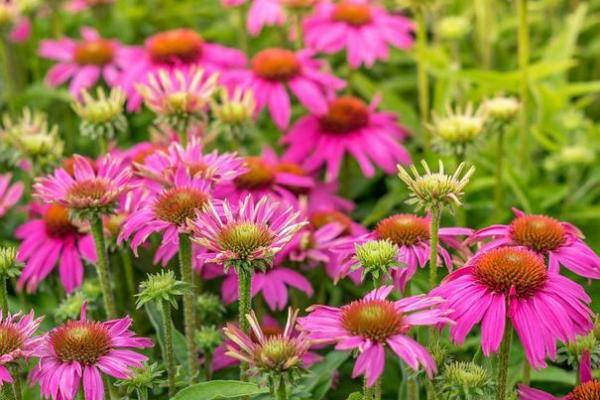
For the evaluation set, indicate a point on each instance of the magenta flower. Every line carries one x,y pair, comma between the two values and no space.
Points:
84,61
587,389
50,238
167,211
265,176
250,231
514,283
78,353
560,241
274,70
92,187
18,342
218,168
373,324
174,49
82,5
364,29
9,195
347,126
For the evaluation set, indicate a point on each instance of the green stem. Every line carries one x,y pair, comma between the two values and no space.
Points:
527,372
368,392
7,71
7,392
3,296
17,384
102,267
245,306
377,390
189,310
169,354
281,393
523,33
499,189
128,269
433,244
483,11
243,39
142,394
412,392
208,359
503,359
422,79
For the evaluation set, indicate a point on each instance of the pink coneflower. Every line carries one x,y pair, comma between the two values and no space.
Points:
51,238
176,49
513,283
348,126
215,167
374,323
247,232
363,29
9,194
92,187
560,241
16,340
167,211
587,389
264,176
84,61
273,284
78,353
81,5
275,70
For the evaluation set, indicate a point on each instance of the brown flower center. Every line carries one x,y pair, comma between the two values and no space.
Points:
290,168
57,222
278,353
82,341
505,268
176,205
538,232
95,52
244,238
276,64
345,114
586,391
90,189
356,14
319,219
260,175
10,339
177,45
403,229
373,319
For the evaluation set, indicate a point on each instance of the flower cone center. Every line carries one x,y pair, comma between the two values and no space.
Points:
260,175
57,222
345,114
373,319
538,232
586,391
177,45
276,64
176,205
10,339
321,218
82,341
505,268
278,353
356,14
92,189
244,238
94,52
403,229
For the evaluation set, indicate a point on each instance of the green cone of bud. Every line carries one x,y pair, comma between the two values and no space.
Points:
142,380
457,130
208,338
501,108
377,257
209,308
9,267
234,114
466,380
102,116
161,287
70,307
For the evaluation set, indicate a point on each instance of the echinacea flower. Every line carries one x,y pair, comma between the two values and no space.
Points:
93,188
587,389
82,5
512,285
49,239
16,340
264,176
101,117
77,354
457,130
560,241
347,126
9,194
274,70
247,232
176,49
501,108
365,30
167,211
178,97
275,355
234,112
373,324
12,16
84,61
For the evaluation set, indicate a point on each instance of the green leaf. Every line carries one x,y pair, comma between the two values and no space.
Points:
214,390
321,377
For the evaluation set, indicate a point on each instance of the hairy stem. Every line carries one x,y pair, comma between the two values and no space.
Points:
102,267
169,354
523,34
189,310
3,296
436,214
129,275
245,306
503,358
281,393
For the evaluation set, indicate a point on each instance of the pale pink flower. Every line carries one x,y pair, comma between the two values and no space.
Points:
17,341
373,324
9,194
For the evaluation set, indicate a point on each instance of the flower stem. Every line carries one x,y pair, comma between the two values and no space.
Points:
411,389
367,391
242,12
245,306
102,267
129,275
499,189
503,359
189,310
527,372
8,77
377,390
281,390
483,11
169,354
433,244
422,79
142,393
3,296
523,33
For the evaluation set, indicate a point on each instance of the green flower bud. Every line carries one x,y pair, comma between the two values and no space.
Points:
501,108
70,307
102,117
160,287
234,114
377,257
208,338
142,379
462,380
9,267
209,307
453,27
454,132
